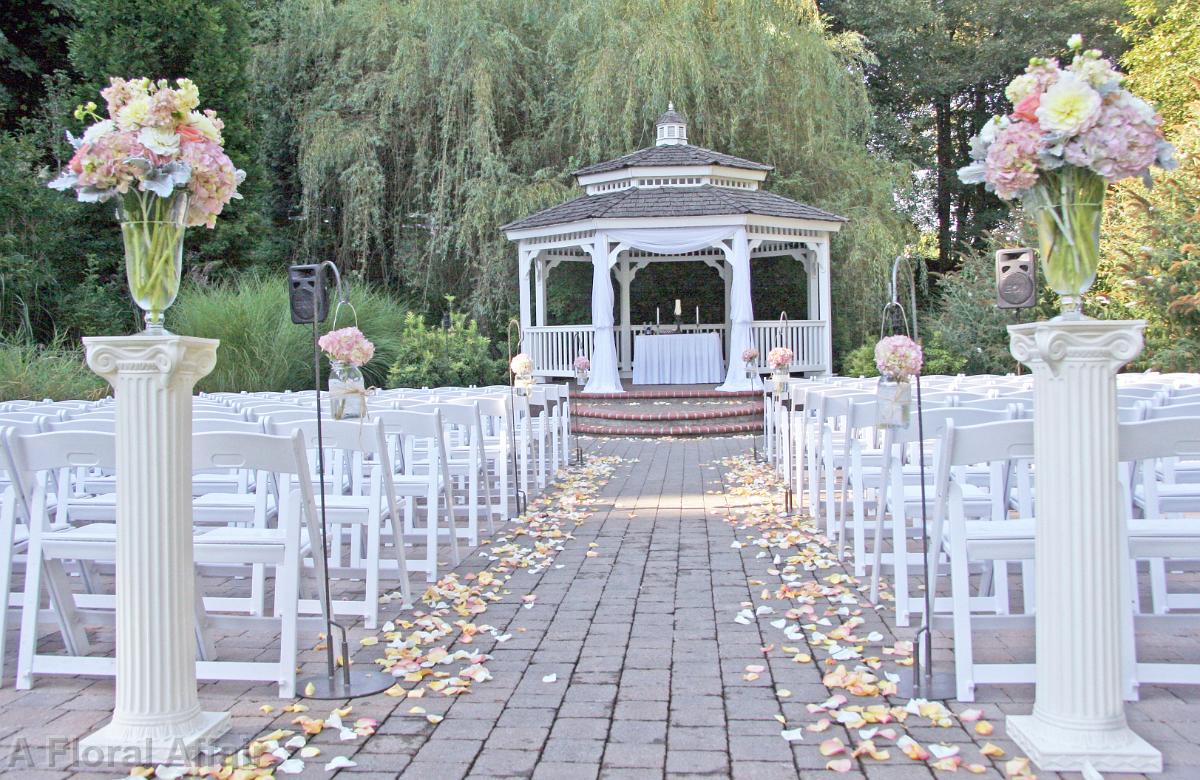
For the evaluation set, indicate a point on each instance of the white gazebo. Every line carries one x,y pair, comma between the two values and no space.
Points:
673,202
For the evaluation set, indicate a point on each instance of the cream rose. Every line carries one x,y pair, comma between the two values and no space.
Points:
1069,106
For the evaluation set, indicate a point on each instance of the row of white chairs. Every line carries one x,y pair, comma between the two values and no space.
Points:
863,484
460,453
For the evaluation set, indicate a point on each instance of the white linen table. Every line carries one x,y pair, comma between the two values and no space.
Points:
678,359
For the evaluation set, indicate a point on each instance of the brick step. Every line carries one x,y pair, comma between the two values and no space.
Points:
684,429
670,413
633,395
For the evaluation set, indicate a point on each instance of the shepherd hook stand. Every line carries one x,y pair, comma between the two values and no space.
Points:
519,496
350,684
925,683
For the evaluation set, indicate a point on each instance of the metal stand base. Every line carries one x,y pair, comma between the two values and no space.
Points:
937,686
336,687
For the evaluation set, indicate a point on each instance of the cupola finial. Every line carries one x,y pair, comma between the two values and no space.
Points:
671,127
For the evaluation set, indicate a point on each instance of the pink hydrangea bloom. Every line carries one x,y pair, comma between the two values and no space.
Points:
750,355
898,358
347,345
582,364
780,357
1122,143
1012,162
214,180
104,163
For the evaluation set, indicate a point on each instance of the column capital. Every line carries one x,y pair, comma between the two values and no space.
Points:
1048,345
170,357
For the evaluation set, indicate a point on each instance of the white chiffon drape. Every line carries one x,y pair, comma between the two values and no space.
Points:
671,241
740,315
604,377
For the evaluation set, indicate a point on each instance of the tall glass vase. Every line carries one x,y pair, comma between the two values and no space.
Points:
1066,206
152,229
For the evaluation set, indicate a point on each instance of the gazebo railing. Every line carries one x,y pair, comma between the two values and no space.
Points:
806,339
555,347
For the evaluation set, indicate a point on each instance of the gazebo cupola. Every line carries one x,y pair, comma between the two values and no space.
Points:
674,203
671,127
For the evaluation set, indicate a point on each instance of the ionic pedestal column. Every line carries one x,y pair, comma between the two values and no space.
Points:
1078,713
157,716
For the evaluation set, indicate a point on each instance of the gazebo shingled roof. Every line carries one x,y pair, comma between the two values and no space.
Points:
678,154
672,202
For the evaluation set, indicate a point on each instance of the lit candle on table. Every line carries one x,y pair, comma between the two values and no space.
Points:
678,308
697,315
657,316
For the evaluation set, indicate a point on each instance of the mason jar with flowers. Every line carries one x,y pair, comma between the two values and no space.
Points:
898,359
582,367
162,161
1073,131
780,360
347,349
521,366
750,360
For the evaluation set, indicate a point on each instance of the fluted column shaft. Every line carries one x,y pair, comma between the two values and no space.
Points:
1079,715
157,711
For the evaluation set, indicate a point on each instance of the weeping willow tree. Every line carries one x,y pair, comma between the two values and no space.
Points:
408,132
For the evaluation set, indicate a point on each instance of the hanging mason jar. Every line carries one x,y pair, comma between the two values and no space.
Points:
893,403
780,378
347,390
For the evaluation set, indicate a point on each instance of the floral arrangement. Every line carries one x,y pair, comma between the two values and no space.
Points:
1072,131
898,358
779,358
347,345
155,142
1078,116
521,364
581,364
749,355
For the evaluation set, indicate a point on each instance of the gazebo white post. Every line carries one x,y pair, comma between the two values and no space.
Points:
807,257
524,260
157,716
541,271
1080,549
727,277
826,293
625,277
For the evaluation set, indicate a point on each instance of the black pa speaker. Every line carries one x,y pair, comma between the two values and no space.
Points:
1016,278
308,293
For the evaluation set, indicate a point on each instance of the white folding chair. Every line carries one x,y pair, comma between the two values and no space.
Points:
363,512
1008,445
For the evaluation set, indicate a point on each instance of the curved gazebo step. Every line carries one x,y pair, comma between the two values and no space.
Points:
692,429
634,395
674,414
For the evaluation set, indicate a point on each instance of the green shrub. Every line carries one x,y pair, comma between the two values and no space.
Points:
938,359
260,347
431,357
32,372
